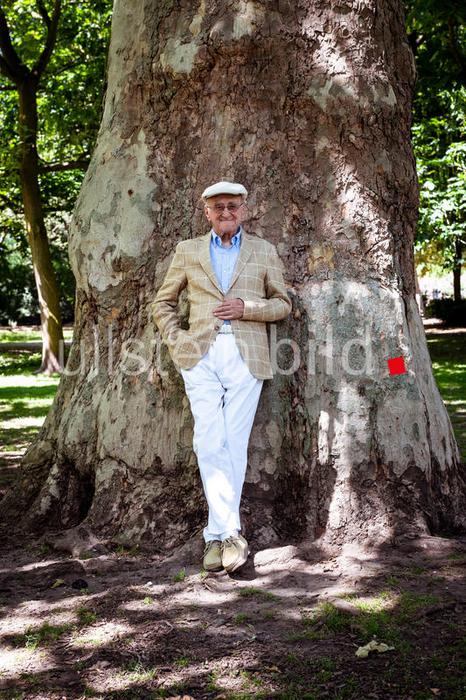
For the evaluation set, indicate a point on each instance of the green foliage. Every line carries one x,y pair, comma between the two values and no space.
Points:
17,289
71,90
437,33
70,100
18,294
440,146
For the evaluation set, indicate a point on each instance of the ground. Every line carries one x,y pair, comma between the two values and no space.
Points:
128,624
117,624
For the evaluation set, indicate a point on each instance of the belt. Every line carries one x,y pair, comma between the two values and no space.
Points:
226,328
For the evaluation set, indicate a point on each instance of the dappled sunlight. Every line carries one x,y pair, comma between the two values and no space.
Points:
31,566
100,634
18,623
386,600
20,423
26,380
30,405
238,633
114,679
453,369
14,662
139,605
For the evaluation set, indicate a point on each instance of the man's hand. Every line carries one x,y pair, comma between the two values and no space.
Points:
229,309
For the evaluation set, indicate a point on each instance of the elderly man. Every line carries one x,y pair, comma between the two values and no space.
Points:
235,285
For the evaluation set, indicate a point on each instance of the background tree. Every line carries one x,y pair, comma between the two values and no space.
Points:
309,105
437,33
41,174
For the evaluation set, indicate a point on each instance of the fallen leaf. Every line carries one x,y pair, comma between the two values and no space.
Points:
58,582
363,652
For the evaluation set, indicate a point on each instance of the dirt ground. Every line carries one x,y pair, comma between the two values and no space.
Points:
114,623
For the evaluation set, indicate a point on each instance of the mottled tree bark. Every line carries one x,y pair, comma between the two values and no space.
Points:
308,104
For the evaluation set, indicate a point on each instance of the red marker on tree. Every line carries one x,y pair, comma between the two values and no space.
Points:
396,365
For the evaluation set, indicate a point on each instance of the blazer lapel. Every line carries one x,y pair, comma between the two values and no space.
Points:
205,261
245,252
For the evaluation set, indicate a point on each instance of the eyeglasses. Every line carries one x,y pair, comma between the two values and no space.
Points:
220,208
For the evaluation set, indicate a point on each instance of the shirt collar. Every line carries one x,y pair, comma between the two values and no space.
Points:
235,241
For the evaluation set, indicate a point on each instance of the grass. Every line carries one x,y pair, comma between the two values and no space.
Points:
25,334
448,354
138,672
456,556
382,616
249,679
252,591
180,575
25,399
182,661
85,616
41,636
241,618
389,616
126,551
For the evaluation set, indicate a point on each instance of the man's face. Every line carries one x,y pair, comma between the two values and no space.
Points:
225,221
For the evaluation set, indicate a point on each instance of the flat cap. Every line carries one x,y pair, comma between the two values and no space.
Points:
224,188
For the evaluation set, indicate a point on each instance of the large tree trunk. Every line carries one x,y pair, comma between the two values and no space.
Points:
307,104
44,274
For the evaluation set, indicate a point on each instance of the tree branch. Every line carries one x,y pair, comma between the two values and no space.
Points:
10,63
43,13
5,69
66,67
49,42
80,164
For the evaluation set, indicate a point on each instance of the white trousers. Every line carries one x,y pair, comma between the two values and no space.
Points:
223,395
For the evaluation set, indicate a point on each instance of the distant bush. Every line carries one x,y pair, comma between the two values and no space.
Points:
452,313
18,291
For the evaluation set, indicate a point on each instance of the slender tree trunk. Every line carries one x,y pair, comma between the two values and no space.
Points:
26,80
46,283
457,264
309,105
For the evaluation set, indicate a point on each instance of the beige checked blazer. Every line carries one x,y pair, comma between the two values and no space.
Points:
257,279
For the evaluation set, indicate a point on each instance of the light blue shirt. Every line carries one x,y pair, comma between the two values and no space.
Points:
224,259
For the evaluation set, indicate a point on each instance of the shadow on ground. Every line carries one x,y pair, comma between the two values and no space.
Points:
130,624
